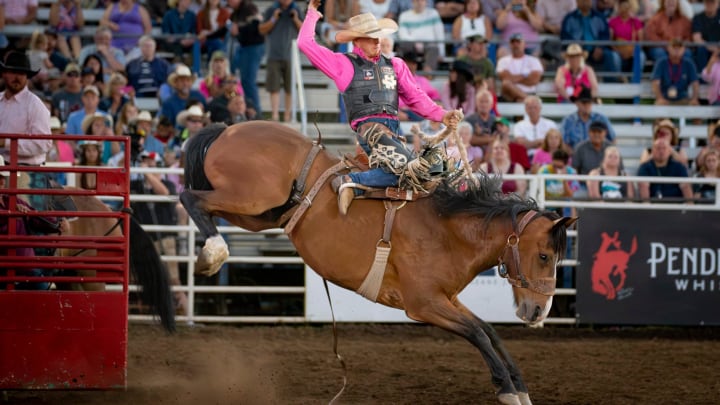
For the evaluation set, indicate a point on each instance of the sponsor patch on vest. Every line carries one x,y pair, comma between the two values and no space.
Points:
368,74
386,70
389,81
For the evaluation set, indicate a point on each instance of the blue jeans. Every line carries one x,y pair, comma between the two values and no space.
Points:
377,177
214,44
610,62
247,59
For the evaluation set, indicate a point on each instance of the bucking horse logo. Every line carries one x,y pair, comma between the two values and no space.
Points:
610,266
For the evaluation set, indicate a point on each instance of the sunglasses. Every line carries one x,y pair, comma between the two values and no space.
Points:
73,74
195,120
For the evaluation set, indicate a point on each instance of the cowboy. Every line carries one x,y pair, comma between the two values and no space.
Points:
370,85
181,80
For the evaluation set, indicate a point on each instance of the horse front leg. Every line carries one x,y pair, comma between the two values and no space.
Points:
441,312
215,250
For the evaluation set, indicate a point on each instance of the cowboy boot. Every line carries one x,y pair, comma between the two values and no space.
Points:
343,186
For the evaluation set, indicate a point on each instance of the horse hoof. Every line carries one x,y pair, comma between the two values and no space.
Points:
509,399
524,398
214,253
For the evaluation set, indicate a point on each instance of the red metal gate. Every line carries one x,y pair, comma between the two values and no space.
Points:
65,339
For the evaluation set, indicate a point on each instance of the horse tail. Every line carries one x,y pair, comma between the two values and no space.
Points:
151,275
197,147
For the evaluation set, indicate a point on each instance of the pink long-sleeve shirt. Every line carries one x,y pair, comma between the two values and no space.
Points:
338,67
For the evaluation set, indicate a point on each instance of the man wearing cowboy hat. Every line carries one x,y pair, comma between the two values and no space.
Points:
370,85
181,81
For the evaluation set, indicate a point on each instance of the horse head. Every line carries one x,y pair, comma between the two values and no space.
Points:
529,261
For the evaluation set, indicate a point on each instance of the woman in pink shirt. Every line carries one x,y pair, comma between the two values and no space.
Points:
371,85
711,74
626,27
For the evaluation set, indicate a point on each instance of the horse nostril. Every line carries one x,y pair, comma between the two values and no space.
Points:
535,314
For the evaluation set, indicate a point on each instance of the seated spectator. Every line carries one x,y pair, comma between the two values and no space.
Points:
713,142
499,164
90,154
589,154
164,136
518,72
531,131
552,13
711,74
39,58
181,81
559,189
193,120
662,164
212,26
574,74
182,23
474,153
519,18
667,23
129,20
472,23
378,8
56,57
605,8
675,79
459,91
543,155
491,8
69,97
610,189
147,72
127,114
575,127
416,26
102,124
66,19
20,12
336,15
518,153
218,73
229,108
111,58
88,76
710,169
157,10
666,129
475,54
414,62
482,120
625,26
117,94
706,32
586,24
90,101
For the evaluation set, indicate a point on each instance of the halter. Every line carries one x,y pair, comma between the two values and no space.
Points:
545,285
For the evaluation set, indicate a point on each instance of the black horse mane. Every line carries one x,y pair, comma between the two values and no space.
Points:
196,149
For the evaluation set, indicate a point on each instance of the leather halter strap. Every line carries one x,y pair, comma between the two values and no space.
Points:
545,285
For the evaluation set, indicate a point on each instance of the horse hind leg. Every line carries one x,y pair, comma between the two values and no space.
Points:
454,317
215,250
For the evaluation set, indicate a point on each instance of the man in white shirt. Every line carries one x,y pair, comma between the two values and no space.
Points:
422,23
530,132
519,73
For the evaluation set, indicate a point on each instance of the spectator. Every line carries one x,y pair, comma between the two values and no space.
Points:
674,78
625,26
543,154
421,29
336,15
475,154
605,8
518,72
66,19
575,126
164,136
387,46
218,74
39,59
221,109
397,7
56,57
667,23
476,55
482,120
588,154
245,27
449,10
69,98
112,58
472,23
662,164
147,72
20,12
378,8
552,13
574,74
557,189
127,114
414,62
129,20
706,32
610,189
711,74
499,164
117,93
102,124
667,130
518,153
586,24
212,26
157,10
713,142
459,91
282,21
519,18
3,39
181,22
90,153
90,101
181,81
193,120
531,131
708,170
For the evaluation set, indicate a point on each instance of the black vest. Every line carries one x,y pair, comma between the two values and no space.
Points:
373,89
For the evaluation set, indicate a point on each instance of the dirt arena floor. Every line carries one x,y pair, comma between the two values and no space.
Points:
406,364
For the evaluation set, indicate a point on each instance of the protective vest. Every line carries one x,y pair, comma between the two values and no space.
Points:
373,89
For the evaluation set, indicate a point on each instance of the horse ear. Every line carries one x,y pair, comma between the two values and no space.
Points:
567,222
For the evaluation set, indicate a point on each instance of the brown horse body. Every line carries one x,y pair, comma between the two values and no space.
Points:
248,172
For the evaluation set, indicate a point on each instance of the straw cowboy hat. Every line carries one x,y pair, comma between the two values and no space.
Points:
97,115
144,115
575,50
666,123
83,144
193,111
180,71
17,62
366,26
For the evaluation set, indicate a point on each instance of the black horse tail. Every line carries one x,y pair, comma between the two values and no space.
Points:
196,148
150,273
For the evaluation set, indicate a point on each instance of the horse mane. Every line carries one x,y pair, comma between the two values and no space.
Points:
196,148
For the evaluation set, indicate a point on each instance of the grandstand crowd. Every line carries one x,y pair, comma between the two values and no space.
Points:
112,67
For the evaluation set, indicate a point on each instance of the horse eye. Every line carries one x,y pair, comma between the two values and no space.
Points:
543,257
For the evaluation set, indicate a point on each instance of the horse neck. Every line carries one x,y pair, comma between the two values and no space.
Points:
485,244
